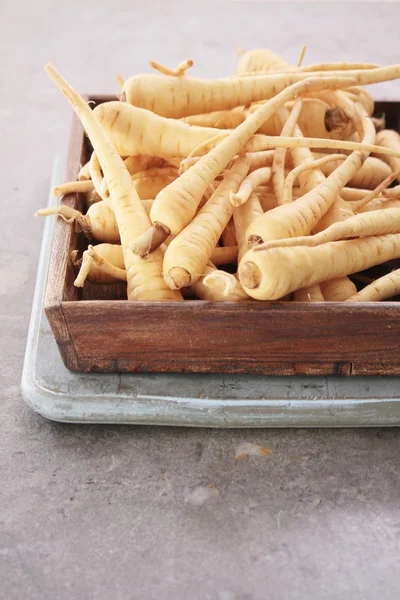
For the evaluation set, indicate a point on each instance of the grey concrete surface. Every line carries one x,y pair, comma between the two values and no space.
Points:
125,512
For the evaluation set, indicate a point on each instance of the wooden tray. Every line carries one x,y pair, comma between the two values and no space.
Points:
96,331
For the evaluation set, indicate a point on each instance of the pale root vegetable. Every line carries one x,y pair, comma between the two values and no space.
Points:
369,176
228,235
338,290
179,71
189,252
300,217
390,139
278,165
177,97
379,222
263,60
318,119
249,184
102,265
135,131
271,274
98,223
70,187
175,206
84,172
308,294
287,191
242,217
260,159
380,289
144,278
335,66
215,291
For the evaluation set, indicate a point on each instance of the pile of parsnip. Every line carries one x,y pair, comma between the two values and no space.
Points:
279,171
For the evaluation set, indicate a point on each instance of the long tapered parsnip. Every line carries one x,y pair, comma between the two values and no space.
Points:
380,289
278,165
176,205
189,252
300,217
338,290
272,274
144,278
377,222
183,96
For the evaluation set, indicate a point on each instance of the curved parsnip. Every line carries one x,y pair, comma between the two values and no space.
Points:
380,289
248,185
278,165
183,96
102,265
189,252
144,278
378,222
271,274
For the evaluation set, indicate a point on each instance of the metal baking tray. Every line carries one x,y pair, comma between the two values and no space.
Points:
211,400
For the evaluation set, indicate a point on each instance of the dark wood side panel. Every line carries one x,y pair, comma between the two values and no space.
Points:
202,336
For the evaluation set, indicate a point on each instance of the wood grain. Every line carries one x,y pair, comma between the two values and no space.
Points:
206,337
94,332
